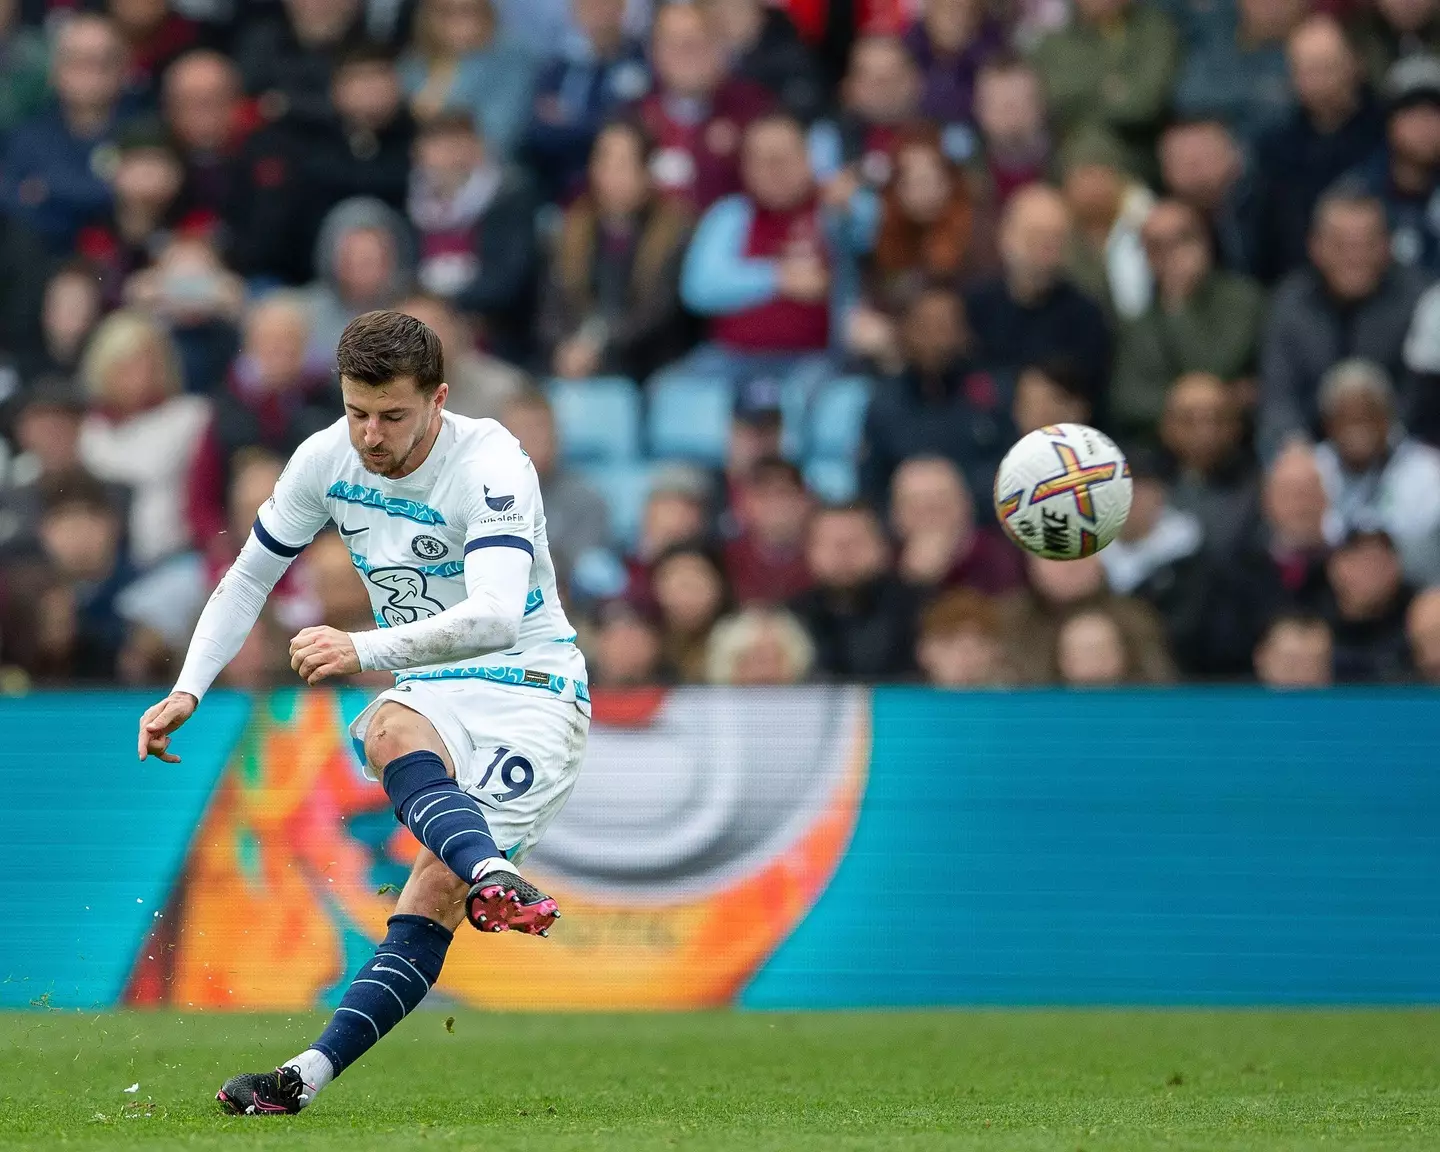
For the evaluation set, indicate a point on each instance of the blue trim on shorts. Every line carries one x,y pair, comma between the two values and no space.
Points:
518,677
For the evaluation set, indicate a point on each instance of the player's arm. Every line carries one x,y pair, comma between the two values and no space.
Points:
295,512
499,552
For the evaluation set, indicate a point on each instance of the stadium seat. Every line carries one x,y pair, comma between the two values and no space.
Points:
837,419
834,481
690,418
597,419
624,487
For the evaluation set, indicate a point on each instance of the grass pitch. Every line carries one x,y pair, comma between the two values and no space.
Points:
1007,1081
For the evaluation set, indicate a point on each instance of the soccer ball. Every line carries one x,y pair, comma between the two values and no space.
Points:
1063,491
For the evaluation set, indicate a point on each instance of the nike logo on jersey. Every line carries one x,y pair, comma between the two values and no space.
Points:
498,503
352,531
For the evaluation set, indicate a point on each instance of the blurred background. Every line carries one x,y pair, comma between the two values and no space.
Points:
765,290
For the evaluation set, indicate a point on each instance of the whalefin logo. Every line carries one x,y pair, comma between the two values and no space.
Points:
499,503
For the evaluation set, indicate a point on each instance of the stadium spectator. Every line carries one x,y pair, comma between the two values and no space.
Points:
458,63
1058,589
1336,126
879,98
141,431
23,264
1031,311
61,620
927,222
287,57
54,168
1049,392
1094,650
1201,165
950,43
1374,473
759,647
1014,142
764,270
480,384
1405,173
1393,30
677,511
577,520
831,27
1158,555
938,543
690,591
612,296
860,616
1281,566
1108,206
201,102
1297,651
1352,301
298,169
1243,78
46,439
1113,67
364,259
199,300
147,181
696,115
578,91
764,47
1201,320
70,307
474,219
765,560
153,36
1421,374
277,393
756,428
939,403
24,70
961,642
1368,608
1214,477
625,650
538,26
1422,630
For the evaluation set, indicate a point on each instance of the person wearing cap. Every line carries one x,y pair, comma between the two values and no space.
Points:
1367,606
1108,205
1405,171
1374,472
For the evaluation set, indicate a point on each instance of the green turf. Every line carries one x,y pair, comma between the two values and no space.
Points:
1098,1081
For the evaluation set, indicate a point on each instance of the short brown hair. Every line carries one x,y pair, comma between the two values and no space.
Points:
961,610
379,347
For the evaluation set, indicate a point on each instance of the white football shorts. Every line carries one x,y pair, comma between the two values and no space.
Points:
516,750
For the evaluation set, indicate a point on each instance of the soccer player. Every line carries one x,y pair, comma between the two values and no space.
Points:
479,742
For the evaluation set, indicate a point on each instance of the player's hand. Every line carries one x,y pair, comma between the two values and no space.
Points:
162,719
319,653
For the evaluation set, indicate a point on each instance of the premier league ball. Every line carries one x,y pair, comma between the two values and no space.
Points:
1063,491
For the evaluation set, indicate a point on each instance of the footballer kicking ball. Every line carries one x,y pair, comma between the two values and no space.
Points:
1063,491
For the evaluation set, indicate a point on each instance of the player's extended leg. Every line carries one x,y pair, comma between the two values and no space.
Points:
406,751
390,985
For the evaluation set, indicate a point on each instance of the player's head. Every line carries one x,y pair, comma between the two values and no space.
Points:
392,376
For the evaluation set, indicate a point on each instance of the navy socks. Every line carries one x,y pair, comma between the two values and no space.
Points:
446,820
386,990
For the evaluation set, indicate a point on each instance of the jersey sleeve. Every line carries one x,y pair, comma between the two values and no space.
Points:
296,511
502,498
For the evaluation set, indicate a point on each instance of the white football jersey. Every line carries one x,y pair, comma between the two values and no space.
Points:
408,538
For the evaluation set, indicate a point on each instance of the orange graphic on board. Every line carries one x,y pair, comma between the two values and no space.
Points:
280,900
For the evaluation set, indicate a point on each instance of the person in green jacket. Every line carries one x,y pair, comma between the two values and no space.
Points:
1113,67
1200,319
24,70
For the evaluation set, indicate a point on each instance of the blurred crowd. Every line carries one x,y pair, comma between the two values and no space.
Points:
766,289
